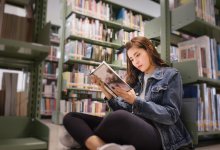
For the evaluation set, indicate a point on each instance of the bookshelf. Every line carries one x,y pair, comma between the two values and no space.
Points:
71,10
93,63
48,101
190,76
185,19
26,55
94,41
18,2
23,50
113,24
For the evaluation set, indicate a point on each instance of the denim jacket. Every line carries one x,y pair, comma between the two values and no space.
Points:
162,105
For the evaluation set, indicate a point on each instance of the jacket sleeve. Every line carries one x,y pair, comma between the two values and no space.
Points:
118,103
168,111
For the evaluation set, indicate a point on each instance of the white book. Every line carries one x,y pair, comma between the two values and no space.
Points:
110,78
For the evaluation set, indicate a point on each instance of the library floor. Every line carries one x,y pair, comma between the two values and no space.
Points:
56,129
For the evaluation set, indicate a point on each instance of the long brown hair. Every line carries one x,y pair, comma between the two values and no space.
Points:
147,45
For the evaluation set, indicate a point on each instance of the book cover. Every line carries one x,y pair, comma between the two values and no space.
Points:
110,78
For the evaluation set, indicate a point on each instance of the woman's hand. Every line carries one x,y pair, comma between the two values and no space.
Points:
100,84
97,81
128,96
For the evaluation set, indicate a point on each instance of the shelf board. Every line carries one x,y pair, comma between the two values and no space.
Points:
154,32
19,50
50,76
113,24
184,19
55,42
52,59
18,2
96,42
211,82
83,89
93,63
203,133
17,64
129,7
189,73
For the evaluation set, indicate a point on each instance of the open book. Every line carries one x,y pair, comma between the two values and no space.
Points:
110,78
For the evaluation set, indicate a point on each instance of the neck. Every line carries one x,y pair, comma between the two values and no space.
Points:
150,70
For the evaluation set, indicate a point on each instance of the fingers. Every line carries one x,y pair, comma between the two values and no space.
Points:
93,79
96,80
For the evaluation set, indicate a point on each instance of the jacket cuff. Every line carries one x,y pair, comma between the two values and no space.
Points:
136,106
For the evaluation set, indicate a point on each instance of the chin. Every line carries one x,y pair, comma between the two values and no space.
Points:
141,70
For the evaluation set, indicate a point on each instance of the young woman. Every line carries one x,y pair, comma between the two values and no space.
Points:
146,117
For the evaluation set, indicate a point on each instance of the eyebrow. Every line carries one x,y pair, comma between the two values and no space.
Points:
133,55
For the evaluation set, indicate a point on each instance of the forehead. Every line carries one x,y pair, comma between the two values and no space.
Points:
133,50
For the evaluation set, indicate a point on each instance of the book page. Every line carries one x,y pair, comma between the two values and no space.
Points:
110,78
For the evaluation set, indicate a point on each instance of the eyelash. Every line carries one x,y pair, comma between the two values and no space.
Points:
135,56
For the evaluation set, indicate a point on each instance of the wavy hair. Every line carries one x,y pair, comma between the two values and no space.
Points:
147,45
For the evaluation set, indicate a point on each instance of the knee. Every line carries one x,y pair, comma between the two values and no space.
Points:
119,116
69,116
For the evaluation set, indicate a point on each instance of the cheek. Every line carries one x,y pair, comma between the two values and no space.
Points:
133,63
147,60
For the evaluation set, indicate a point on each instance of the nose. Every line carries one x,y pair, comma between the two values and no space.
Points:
136,62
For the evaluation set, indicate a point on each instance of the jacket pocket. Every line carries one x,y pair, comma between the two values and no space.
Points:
158,88
157,92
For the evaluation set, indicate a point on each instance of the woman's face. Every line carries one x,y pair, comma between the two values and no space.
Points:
140,59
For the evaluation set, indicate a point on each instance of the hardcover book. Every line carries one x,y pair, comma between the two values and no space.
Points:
110,78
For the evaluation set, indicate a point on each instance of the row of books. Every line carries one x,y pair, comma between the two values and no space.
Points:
49,90
50,73
121,57
79,77
130,19
54,53
81,50
106,12
48,105
124,36
54,38
207,53
94,29
50,68
208,100
84,94
204,9
96,8
89,28
77,80
85,106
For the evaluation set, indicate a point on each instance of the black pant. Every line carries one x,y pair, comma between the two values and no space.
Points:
120,127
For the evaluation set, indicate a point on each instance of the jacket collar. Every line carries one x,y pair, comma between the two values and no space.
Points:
157,74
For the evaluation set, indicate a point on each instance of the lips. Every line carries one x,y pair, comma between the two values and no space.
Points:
139,66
